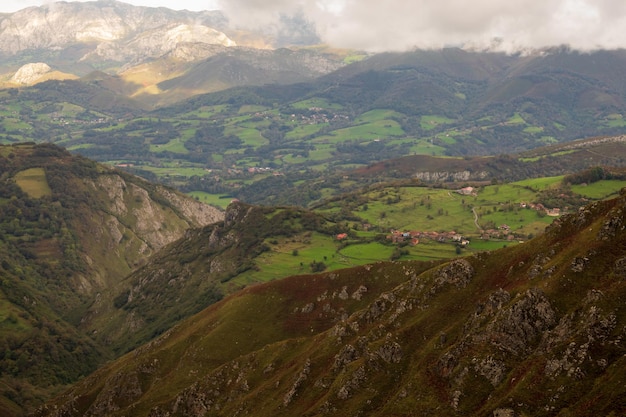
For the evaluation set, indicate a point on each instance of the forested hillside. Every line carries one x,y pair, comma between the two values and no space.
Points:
70,230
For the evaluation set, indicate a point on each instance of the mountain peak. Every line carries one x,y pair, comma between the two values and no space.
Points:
107,26
30,73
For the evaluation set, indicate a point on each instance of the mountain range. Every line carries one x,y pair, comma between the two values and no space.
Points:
121,296
147,46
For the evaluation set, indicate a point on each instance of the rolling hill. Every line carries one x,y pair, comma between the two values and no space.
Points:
449,103
536,329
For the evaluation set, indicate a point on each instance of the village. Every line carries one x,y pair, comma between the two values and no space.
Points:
502,232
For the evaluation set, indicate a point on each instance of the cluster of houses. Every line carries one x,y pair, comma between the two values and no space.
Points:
259,170
502,232
62,120
467,191
318,117
414,237
553,212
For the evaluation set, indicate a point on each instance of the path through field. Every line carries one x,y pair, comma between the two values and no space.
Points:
476,218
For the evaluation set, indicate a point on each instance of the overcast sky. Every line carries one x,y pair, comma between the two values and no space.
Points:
400,24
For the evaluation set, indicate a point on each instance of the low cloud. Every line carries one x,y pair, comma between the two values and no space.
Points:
482,24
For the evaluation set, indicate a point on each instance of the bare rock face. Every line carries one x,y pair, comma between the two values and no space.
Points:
458,272
516,328
30,73
160,41
117,30
134,222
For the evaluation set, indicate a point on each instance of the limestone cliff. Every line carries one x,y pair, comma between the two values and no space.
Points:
114,30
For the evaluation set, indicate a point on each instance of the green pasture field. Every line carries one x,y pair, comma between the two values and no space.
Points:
418,208
292,160
217,200
428,250
175,145
549,140
84,146
441,210
354,58
432,121
520,220
538,184
362,253
614,120
11,124
600,190
479,245
533,129
252,108
250,136
424,147
516,119
206,112
448,138
321,152
280,261
316,102
71,110
183,171
380,129
536,158
503,193
377,115
33,182
302,131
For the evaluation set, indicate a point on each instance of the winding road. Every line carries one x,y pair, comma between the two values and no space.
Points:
476,218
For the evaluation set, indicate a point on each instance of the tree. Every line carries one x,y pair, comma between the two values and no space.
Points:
317,266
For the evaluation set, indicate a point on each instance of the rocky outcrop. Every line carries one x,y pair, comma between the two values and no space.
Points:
135,210
30,73
450,176
117,30
159,42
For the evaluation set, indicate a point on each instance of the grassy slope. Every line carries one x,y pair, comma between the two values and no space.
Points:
506,330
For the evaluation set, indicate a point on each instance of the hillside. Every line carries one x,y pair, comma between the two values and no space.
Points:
243,141
287,123
199,269
70,229
535,329
545,161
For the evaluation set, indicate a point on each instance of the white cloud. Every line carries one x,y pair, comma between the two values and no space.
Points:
401,24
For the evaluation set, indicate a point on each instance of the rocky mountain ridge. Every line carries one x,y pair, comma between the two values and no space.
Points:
536,329
107,26
147,47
